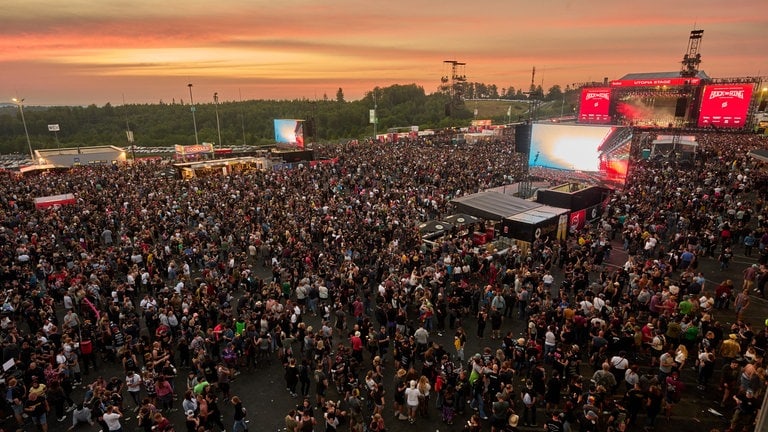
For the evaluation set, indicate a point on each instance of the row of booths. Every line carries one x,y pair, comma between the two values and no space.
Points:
509,220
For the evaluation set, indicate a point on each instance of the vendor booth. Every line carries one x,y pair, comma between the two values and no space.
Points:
207,168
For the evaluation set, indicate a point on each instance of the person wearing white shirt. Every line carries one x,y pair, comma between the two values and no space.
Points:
631,377
548,279
412,400
148,302
706,302
68,302
48,327
163,318
598,303
586,307
457,272
144,279
550,343
112,418
619,365
130,280
133,384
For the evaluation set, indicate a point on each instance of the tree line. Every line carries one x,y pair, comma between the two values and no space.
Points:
246,122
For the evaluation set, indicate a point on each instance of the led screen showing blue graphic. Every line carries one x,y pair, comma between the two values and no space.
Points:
289,131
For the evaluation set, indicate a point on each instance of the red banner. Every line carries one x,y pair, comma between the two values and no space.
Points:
652,82
54,201
725,105
576,220
333,161
193,149
594,105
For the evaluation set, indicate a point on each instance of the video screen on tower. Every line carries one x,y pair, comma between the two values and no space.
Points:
725,105
289,131
587,154
594,105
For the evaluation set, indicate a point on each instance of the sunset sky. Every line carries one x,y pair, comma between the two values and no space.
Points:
82,52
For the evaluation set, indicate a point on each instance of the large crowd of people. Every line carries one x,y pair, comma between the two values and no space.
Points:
160,278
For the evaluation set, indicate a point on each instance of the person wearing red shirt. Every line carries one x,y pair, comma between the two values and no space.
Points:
357,346
647,332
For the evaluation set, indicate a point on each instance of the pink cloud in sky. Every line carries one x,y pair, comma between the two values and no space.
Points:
85,52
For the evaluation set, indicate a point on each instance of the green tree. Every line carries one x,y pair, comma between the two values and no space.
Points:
493,91
340,95
555,93
470,91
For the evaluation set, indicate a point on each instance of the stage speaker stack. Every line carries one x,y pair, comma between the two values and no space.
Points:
681,107
309,128
523,138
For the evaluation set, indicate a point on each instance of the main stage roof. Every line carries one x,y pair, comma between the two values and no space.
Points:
660,75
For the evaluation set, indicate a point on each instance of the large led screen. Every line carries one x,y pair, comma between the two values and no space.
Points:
288,131
725,105
587,154
594,106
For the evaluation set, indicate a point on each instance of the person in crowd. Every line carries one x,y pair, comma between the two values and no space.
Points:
746,409
112,417
412,395
238,420
80,416
36,407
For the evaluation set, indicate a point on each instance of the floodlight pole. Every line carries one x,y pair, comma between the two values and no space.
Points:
192,108
375,115
216,106
20,103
